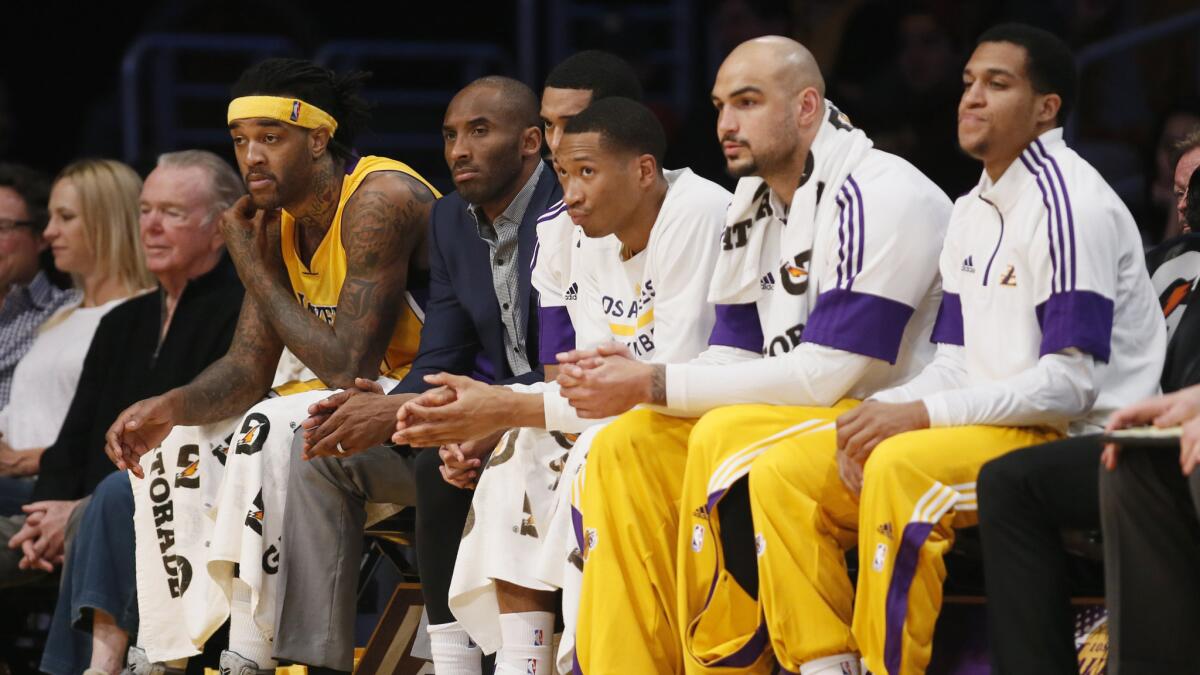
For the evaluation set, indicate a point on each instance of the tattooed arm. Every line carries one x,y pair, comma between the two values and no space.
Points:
235,381
228,387
382,224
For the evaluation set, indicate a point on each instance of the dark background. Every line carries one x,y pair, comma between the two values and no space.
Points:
893,66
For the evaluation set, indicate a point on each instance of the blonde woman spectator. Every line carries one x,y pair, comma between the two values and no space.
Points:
93,235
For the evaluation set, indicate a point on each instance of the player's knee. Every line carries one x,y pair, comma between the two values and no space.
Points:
1118,489
889,460
999,483
303,473
768,471
712,428
114,493
621,440
426,464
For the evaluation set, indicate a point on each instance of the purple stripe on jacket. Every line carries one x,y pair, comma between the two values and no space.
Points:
948,326
1062,183
861,323
862,230
1079,319
737,326
1049,222
556,333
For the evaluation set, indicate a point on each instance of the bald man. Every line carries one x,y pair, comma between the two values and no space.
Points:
827,267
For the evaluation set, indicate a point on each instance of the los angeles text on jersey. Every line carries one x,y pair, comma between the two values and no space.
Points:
325,313
631,320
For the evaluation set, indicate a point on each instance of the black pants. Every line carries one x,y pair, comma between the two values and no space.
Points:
1152,545
441,514
1026,499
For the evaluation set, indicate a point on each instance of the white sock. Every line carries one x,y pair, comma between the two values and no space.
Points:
245,638
838,664
454,653
527,640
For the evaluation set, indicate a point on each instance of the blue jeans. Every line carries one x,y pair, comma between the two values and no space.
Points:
14,493
98,574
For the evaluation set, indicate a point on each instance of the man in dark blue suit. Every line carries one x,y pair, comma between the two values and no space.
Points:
481,320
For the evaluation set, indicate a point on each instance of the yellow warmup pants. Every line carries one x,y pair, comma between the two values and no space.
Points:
630,523
917,488
724,630
630,516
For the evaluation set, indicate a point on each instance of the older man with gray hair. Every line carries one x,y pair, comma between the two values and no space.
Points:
144,347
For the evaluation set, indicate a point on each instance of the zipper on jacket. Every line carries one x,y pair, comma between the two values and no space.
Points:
988,270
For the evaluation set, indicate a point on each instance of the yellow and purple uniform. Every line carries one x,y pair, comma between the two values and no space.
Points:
318,285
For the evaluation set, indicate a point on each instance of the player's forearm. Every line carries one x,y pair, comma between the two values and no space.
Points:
557,412
313,341
946,372
519,409
809,375
1061,388
226,388
31,461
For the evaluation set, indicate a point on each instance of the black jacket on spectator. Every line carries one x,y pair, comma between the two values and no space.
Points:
126,363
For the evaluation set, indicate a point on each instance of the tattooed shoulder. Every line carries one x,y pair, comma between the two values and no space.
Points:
385,218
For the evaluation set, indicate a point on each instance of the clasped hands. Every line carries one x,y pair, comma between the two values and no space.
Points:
460,416
41,537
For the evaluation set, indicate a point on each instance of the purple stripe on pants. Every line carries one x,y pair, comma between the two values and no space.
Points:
903,571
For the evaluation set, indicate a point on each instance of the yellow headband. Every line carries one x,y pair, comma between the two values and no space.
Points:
290,110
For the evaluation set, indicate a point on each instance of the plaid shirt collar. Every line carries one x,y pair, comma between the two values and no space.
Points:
515,211
38,293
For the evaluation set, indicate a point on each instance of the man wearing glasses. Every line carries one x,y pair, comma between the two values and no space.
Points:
27,298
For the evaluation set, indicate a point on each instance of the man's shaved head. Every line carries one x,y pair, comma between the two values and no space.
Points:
517,104
770,100
491,139
781,60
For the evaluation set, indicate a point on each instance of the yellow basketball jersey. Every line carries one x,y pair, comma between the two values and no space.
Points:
318,287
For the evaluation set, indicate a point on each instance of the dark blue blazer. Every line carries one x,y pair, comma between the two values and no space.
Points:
463,333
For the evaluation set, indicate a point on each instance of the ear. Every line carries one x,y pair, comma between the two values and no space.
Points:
1048,107
648,171
218,240
318,141
531,141
808,107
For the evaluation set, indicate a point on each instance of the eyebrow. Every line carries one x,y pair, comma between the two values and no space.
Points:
162,204
745,90
992,71
236,124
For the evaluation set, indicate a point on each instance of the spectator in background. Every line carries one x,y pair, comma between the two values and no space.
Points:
93,234
1186,158
133,354
1164,198
27,298
143,347
1191,207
